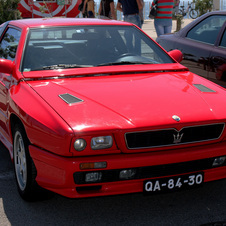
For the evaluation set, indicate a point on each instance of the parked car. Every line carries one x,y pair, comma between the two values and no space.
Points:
203,44
94,107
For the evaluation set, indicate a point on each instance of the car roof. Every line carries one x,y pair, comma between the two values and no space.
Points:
59,21
216,12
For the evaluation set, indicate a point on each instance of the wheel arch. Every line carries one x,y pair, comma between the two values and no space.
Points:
14,120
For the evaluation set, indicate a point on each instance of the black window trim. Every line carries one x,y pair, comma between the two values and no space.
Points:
220,36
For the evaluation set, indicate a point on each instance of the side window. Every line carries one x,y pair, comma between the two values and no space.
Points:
207,30
9,43
223,40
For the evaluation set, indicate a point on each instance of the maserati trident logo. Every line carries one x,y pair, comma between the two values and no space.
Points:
176,118
177,138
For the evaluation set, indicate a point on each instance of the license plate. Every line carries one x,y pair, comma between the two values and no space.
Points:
168,184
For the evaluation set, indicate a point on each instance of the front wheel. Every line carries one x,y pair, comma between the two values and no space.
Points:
193,14
25,170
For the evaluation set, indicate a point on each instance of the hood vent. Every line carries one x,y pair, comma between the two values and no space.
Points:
203,88
70,99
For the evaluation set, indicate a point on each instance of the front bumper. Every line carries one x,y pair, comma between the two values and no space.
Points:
64,176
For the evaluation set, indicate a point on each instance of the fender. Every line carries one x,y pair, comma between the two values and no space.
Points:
44,127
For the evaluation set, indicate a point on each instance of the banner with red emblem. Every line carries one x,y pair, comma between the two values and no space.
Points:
48,8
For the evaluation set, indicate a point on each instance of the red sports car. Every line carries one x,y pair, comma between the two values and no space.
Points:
94,107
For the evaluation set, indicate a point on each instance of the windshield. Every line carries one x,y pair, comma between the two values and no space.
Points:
89,46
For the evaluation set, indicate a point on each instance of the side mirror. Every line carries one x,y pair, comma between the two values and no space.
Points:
6,66
176,55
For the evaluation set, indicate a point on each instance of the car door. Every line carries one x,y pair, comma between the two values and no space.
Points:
218,59
8,46
196,59
200,43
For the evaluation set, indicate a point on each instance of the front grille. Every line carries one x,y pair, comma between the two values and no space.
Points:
168,137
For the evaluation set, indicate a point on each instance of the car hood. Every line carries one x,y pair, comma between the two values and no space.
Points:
133,100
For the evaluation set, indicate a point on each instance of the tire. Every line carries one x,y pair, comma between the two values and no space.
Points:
180,12
193,14
25,171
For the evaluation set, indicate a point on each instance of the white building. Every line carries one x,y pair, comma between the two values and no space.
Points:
221,4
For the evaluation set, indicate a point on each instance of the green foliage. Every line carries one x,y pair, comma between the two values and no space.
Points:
45,9
179,19
8,10
203,6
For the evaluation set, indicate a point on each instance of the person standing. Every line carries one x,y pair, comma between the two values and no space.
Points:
90,8
130,9
141,14
107,9
80,8
163,19
176,7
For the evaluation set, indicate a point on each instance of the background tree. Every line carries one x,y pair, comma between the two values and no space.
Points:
8,10
203,6
46,9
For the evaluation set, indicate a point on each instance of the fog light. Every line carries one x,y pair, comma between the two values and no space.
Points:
219,161
93,177
80,144
127,174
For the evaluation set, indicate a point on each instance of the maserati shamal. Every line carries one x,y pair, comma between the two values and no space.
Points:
94,107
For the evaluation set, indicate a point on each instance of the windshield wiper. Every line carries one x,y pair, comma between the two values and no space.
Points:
123,63
63,66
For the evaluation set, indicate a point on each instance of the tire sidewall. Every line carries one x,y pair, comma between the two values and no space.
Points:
18,130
